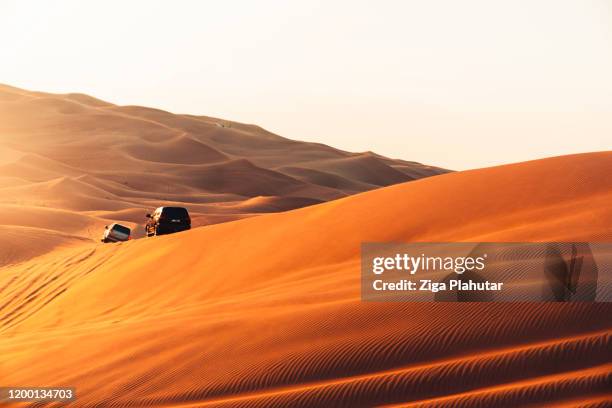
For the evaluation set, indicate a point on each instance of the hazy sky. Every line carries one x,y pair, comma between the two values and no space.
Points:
459,84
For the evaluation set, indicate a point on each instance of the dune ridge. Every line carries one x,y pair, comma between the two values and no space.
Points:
266,311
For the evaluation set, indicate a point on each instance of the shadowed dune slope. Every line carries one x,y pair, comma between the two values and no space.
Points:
266,311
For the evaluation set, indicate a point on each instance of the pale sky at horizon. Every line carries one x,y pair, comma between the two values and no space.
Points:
454,84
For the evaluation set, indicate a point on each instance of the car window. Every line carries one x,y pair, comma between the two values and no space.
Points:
175,212
122,229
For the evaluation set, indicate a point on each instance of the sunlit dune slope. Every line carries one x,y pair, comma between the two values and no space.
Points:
30,231
266,311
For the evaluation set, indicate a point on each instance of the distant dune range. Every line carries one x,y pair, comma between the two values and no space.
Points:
266,311
116,163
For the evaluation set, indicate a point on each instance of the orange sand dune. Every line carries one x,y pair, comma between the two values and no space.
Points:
20,244
29,231
266,311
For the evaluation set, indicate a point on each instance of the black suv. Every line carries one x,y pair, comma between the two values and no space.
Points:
167,220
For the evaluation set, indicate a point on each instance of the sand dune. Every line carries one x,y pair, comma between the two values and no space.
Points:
275,204
75,152
266,311
365,168
20,244
30,231
182,149
326,179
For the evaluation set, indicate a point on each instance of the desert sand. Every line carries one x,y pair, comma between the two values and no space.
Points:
99,163
266,310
